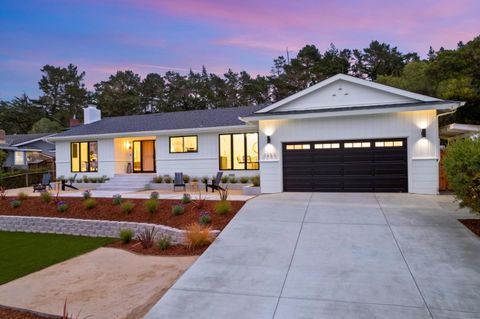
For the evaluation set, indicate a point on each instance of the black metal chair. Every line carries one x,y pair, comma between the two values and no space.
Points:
178,182
70,183
46,180
215,185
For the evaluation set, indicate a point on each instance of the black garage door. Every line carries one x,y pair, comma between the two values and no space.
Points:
346,166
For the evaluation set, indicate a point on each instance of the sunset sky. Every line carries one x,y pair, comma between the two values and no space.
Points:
103,36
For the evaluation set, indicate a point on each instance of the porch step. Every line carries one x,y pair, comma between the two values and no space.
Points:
127,182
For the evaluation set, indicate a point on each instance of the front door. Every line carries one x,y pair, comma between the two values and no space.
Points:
143,156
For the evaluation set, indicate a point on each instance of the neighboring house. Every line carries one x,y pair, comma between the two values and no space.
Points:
27,150
342,134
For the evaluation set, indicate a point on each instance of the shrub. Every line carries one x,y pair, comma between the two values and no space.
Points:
186,179
126,235
147,237
222,207
151,205
224,179
86,194
157,179
154,195
462,165
71,179
177,210
205,179
197,235
16,203
233,180
167,179
89,203
85,179
205,218
186,198
195,179
255,180
117,199
22,196
45,197
127,207
244,179
164,242
62,207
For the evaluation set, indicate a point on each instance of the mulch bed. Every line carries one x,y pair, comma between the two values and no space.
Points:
472,224
177,250
14,313
105,210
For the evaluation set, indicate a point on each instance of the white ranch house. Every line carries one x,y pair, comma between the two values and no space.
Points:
342,134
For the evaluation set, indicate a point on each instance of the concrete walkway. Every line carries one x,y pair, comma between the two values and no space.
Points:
292,256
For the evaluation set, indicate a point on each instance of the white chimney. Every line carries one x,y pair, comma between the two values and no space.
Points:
91,114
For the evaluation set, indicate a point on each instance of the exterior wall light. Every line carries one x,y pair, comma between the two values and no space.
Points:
128,145
424,132
269,139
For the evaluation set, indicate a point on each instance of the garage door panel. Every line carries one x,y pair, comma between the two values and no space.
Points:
357,167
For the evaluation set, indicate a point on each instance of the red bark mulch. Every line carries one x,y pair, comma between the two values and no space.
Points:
105,210
472,224
178,250
13,313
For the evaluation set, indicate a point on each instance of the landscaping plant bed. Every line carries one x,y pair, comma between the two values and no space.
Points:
105,210
13,313
177,250
472,224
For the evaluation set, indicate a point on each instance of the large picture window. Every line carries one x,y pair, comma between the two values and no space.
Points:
84,157
19,158
238,151
183,144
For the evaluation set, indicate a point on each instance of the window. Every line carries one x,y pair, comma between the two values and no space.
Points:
238,151
84,157
327,146
296,147
19,158
183,144
357,145
389,144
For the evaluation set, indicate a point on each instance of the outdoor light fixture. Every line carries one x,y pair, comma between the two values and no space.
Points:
424,132
128,145
269,139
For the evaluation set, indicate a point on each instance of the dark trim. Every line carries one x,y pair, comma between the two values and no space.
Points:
245,152
80,157
141,157
183,143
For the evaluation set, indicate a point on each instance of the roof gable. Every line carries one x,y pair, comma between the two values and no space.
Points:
345,91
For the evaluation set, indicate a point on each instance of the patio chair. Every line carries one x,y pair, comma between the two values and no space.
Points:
178,182
46,180
70,183
215,185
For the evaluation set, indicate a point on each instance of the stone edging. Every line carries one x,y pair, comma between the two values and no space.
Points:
84,227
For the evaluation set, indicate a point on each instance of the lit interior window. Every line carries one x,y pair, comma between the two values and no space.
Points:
239,151
19,158
398,143
183,144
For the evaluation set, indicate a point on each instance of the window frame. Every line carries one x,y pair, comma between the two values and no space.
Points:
244,149
80,157
183,144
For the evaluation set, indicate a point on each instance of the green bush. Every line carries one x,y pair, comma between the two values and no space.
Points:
204,179
22,196
151,205
195,179
45,197
127,207
222,207
62,207
157,179
154,195
186,179
255,180
167,179
462,165
16,203
177,210
186,199
224,179
204,218
89,203
126,235
233,180
86,194
117,199
164,242
244,179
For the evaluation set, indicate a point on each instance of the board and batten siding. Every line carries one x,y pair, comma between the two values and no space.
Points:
423,153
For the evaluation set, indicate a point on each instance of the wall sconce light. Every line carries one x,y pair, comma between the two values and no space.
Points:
424,132
269,139
128,145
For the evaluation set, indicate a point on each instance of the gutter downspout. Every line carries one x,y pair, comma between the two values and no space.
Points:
443,114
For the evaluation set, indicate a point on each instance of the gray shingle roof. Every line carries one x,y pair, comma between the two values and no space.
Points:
164,121
22,138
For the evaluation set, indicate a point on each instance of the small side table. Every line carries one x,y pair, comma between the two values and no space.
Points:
194,187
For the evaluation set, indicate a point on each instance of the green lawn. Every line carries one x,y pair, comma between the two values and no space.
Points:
24,253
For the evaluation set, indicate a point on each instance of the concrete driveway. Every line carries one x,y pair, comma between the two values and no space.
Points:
321,255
